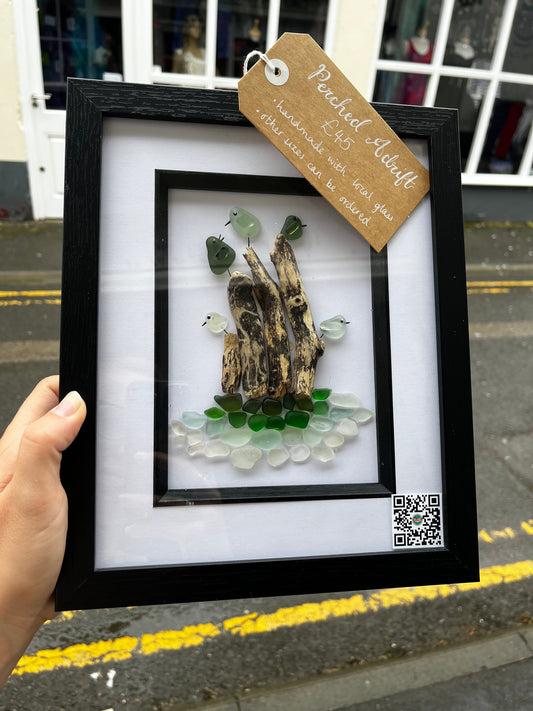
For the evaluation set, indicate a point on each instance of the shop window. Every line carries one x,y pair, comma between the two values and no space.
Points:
519,56
400,88
410,29
473,33
306,16
78,39
508,131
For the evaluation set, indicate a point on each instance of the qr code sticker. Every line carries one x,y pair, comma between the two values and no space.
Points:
417,520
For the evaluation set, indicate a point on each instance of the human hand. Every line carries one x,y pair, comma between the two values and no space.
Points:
33,514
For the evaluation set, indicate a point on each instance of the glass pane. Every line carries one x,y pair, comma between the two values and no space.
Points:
179,36
508,130
519,57
399,88
241,29
410,29
306,16
78,39
473,33
464,95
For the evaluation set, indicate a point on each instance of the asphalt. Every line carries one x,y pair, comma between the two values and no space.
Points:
494,673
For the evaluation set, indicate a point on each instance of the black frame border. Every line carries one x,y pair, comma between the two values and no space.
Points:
166,180
80,585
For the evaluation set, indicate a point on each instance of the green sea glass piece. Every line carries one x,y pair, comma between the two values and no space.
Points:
321,408
292,435
339,413
215,427
236,437
219,255
346,400
292,228
321,393
321,424
289,401
275,423
297,419
304,403
237,419
245,457
193,420
252,405
267,439
311,437
257,422
334,328
244,223
216,323
230,403
271,406
214,413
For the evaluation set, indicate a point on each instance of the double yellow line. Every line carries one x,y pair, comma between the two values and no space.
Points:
30,298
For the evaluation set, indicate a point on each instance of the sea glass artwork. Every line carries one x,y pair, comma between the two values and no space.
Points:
267,439
347,400
300,453
272,406
322,453
216,323
244,223
231,402
219,254
277,457
245,457
334,328
321,393
237,419
292,227
214,413
297,419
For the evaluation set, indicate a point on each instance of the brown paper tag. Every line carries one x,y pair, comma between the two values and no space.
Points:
331,134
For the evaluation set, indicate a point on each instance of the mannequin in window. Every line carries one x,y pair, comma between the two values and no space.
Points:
416,49
190,59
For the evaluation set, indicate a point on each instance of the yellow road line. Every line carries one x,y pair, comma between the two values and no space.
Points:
511,284
123,648
32,293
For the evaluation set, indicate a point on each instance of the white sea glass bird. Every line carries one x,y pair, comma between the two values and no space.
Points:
216,323
334,327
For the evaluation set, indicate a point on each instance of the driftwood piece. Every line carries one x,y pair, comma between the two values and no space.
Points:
231,364
309,347
250,335
275,327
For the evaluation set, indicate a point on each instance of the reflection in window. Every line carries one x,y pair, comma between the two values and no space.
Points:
410,28
305,16
241,29
519,57
398,88
509,129
473,33
179,36
78,39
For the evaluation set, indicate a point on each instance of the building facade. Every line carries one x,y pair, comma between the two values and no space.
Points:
473,55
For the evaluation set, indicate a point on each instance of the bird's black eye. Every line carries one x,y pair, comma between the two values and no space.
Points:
208,317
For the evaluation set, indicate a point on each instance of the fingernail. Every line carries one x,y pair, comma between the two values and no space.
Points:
68,405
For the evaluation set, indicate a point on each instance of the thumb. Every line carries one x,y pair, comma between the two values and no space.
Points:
41,445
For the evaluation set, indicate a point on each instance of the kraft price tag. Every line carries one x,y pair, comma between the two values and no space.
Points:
312,114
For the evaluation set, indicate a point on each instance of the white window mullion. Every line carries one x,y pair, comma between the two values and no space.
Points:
439,51
331,27
137,40
211,43
377,49
483,121
272,23
526,164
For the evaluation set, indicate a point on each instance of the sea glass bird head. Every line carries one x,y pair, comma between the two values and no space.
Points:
244,223
334,327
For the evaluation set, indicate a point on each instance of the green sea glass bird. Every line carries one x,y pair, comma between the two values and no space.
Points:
244,223
334,328
219,254
292,228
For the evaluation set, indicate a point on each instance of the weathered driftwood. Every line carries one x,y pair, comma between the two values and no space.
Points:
275,327
231,364
250,335
309,347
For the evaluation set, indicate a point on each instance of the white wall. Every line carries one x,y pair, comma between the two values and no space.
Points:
355,39
12,145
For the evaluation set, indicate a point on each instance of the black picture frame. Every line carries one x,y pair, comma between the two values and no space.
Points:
81,583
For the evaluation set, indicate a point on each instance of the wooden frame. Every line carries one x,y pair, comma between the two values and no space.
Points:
92,578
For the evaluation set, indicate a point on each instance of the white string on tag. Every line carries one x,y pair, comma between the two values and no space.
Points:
276,71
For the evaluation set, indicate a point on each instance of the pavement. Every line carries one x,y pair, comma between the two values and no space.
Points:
493,673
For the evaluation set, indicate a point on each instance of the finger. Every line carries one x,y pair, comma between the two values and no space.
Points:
41,445
42,399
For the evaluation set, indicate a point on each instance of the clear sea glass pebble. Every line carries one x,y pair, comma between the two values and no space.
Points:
267,439
347,400
300,453
236,437
323,454
339,413
333,439
362,415
196,448
292,435
321,424
178,427
193,420
195,437
245,457
180,440
215,427
348,428
277,457
216,448
334,327
312,437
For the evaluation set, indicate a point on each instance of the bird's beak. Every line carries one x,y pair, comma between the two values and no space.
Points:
204,323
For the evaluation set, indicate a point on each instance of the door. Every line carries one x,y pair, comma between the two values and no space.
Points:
57,39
